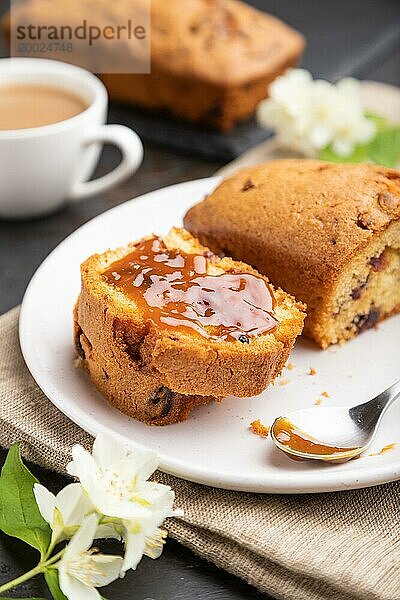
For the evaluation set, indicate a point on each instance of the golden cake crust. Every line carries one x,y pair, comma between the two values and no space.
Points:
141,394
117,340
223,42
301,221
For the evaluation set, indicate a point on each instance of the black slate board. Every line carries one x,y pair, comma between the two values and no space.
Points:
189,138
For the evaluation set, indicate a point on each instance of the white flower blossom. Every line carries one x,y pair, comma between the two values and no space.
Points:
115,480
82,570
66,511
140,540
309,115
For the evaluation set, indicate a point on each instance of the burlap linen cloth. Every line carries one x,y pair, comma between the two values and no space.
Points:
339,546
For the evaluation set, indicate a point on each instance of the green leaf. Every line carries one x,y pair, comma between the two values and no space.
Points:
359,154
19,513
385,147
379,121
53,584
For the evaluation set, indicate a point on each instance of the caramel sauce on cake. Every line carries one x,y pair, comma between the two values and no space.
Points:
294,438
174,291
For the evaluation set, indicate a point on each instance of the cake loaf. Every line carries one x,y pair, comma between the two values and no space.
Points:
164,325
211,60
327,233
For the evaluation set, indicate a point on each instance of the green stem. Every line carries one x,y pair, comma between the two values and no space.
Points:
54,558
40,568
11,584
50,549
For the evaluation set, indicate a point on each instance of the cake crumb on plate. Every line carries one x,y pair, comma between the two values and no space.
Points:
259,429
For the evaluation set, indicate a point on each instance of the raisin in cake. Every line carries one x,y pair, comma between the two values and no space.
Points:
327,233
163,325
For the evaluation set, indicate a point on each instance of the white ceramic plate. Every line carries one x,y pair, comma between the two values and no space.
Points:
214,446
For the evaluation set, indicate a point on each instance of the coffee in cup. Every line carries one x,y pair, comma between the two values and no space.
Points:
25,106
52,129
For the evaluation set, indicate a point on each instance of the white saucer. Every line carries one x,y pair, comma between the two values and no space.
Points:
214,446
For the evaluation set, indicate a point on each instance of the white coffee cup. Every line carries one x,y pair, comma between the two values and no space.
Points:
41,168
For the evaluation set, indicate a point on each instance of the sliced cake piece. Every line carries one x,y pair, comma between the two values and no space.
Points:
119,377
327,233
167,314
